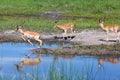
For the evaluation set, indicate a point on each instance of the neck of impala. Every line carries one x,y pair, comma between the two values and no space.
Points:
20,30
101,25
58,26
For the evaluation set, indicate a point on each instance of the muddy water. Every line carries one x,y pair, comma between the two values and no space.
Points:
91,67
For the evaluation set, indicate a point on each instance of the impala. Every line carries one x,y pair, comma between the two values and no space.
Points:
29,35
65,27
109,59
29,62
108,28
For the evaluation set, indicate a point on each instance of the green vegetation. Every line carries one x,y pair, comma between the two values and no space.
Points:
72,11
57,72
43,25
71,6
30,23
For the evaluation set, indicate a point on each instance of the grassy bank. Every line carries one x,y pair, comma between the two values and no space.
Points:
76,6
41,24
72,11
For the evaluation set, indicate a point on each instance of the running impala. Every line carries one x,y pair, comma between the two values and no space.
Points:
29,62
65,27
108,28
29,35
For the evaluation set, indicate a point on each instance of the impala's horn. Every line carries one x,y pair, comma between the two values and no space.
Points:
104,19
17,27
22,23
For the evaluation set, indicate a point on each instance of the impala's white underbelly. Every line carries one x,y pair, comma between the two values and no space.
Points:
111,29
30,36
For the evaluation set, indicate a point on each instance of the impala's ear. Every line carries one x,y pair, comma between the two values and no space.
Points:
56,21
17,26
100,20
104,19
17,66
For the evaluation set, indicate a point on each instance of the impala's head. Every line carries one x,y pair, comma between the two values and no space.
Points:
18,28
55,24
100,22
18,66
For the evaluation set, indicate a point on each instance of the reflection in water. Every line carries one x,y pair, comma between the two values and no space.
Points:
28,61
107,59
66,65
68,56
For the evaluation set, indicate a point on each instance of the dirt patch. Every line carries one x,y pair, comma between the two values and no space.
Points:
85,37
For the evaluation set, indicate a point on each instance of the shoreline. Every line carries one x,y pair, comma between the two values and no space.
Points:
88,43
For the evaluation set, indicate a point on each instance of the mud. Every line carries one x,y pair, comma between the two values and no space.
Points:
89,50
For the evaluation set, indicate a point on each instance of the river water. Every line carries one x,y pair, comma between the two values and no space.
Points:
73,66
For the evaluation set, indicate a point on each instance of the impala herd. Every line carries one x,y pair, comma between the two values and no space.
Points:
26,35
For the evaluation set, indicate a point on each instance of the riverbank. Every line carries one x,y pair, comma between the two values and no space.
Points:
83,37
85,42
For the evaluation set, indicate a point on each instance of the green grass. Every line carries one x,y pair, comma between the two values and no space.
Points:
59,72
71,6
95,9
47,25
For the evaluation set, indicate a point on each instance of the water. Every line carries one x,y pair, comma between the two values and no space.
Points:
90,67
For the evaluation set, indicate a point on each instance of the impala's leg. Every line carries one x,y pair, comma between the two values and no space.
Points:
23,38
72,30
30,42
65,33
40,41
117,35
107,35
100,61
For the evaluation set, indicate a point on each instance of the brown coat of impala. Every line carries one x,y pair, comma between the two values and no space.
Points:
65,27
108,28
29,62
29,35
109,59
